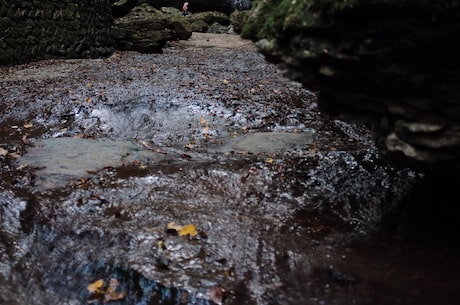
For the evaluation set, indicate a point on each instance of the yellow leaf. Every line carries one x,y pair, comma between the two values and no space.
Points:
174,226
96,287
89,100
188,230
269,160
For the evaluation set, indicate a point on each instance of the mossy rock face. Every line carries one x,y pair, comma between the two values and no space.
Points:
210,17
238,20
35,30
391,64
146,29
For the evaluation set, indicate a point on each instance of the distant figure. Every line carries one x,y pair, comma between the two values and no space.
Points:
185,9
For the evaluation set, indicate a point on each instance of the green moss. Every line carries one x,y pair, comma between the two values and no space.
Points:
273,18
269,17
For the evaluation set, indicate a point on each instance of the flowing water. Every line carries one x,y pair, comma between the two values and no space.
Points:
286,206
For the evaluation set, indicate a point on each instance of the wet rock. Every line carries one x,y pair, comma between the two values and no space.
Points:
308,195
205,21
146,29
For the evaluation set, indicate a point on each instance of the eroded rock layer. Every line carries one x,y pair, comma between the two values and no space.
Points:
392,64
34,30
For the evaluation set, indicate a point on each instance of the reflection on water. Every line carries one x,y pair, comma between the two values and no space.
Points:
59,160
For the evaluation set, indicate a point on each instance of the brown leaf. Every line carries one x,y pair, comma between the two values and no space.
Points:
111,294
216,294
3,152
14,155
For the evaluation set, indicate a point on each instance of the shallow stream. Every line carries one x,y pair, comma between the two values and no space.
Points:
201,176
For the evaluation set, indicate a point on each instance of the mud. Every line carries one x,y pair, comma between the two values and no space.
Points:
290,207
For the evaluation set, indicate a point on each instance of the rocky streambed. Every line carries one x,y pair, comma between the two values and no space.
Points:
199,176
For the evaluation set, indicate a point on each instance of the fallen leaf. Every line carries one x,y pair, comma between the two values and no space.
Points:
216,294
148,146
14,155
89,100
188,230
21,167
161,244
28,125
269,160
3,152
173,226
203,121
111,294
95,287
190,145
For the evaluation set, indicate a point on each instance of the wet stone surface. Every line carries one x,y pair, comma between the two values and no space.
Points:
99,156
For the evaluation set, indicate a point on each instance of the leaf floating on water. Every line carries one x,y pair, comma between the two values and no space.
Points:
96,286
